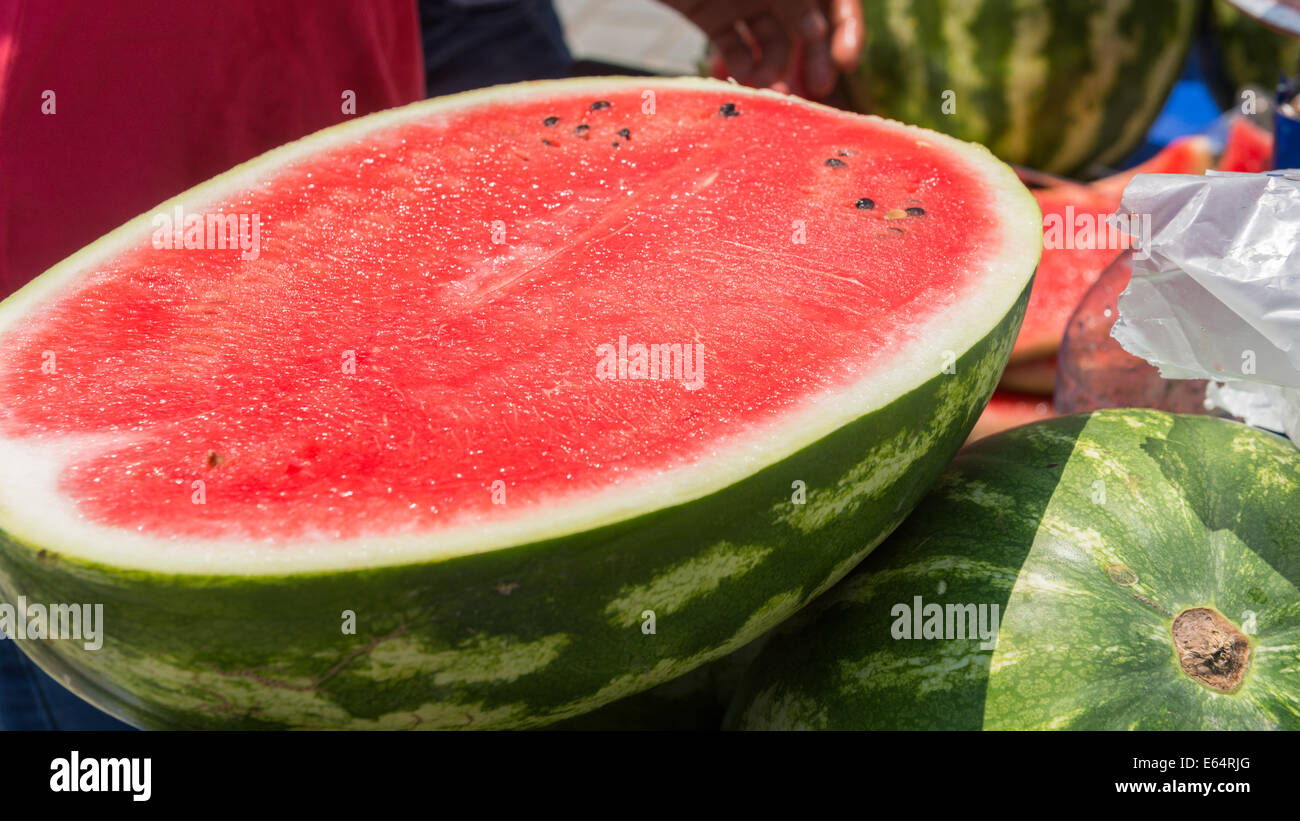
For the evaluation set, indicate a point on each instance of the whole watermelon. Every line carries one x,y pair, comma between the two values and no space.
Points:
1054,84
1143,566
1239,52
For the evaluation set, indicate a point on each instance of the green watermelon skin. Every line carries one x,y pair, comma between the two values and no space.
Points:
1196,512
1241,52
512,638
696,701
1058,86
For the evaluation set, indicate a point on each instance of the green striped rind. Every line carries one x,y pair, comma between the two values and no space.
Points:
1054,85
1202,512
1243,52
516,637
696,701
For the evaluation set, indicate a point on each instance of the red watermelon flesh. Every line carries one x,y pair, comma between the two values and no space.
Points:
1248,149
1008,409
1185,155
1064,273
618,221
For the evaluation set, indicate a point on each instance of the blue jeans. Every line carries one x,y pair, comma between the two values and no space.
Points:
31,700
472,43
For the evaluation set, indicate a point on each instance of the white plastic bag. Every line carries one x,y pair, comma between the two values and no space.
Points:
1216,293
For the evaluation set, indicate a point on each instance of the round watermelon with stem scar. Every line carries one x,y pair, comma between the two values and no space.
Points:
491,410
1126,569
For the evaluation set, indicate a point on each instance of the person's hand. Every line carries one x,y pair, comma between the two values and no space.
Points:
788,45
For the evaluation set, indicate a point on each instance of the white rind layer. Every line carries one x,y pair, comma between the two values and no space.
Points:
33,511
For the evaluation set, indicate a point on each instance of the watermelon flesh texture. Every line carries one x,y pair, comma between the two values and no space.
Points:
1248,148
1185,155
1066,273
528,313
394,408
1093,535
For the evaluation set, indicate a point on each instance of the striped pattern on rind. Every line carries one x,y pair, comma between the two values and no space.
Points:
516,637
1054,85
1196,512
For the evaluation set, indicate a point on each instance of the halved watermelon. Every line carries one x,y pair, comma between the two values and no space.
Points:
404,461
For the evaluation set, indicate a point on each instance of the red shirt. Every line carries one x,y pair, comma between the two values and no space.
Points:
153,96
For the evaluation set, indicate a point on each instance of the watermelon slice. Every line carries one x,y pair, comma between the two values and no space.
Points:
1066,273
1008,409
409,462
1067,270
1185,155
1248,149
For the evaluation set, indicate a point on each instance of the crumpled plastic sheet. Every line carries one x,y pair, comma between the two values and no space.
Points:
1215,291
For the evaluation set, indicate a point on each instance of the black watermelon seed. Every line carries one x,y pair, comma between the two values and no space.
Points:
916,211
625,133
728,110
896,230
548,142
614,144
582,130
599,104
550,121
865,204
843,153
834,163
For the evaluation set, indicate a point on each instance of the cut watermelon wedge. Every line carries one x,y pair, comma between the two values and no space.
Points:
1067,270
425,402
1066,273
1185,155
1248,149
